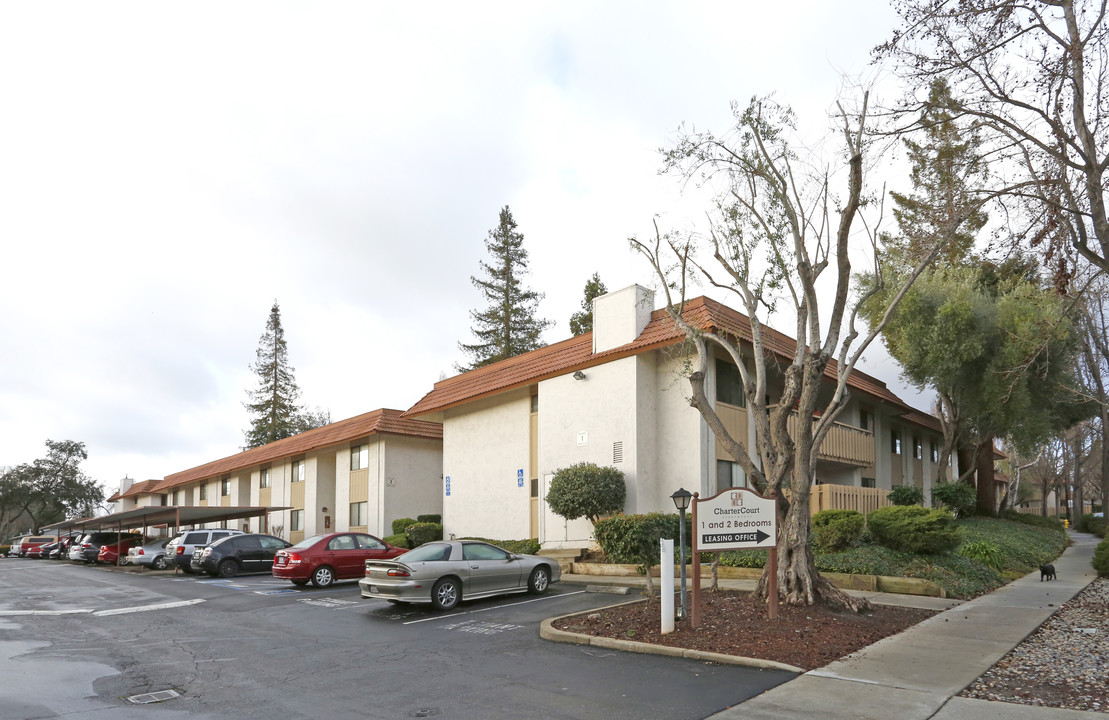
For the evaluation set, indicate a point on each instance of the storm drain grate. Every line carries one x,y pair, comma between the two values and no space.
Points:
154,697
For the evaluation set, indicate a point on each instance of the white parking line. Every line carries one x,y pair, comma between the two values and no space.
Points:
8,613
144,608
495,607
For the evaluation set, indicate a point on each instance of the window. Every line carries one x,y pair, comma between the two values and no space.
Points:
298,471
296,520
895,442
869,482
918,448
163,500
866,420
474,551
729,474
269,543
729,388
935,451
176,496
204,491
341,542
225,488
535,403
365,542
357,514
264,478
359,457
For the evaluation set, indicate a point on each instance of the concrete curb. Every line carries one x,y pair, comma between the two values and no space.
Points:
547,631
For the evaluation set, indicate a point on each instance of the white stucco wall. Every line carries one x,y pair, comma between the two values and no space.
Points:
411,482
485,444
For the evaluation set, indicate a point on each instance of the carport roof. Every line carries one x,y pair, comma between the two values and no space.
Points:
174,515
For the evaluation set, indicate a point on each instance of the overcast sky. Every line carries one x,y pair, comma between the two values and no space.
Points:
168,171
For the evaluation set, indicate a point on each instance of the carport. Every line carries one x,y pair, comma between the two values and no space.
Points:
173,516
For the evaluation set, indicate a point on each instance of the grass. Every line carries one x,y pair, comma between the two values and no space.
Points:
1023,548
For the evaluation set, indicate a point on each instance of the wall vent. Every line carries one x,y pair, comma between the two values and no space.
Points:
618,452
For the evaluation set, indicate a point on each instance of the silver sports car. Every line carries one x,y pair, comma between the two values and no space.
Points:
443,573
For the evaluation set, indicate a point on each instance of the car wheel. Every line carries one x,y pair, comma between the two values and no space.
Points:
539,581
228,568
159,563
446,593
300,583
323,577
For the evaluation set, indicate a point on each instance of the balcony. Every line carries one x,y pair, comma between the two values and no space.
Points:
845,445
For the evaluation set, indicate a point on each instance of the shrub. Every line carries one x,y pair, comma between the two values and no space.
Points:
1101,558
1029,519
634,539
983,551
586,490
420,533
914,529
5,549
429,518
906,495
400,524
836,529
399,540
1089,523
959,498
521,547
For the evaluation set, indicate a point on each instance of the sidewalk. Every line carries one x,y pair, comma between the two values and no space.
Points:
917,674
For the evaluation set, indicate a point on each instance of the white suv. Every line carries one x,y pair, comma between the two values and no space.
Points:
179,551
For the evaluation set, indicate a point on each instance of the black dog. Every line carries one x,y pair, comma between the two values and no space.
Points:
1047,572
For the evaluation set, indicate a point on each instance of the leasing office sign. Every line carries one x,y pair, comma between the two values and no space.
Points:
735,519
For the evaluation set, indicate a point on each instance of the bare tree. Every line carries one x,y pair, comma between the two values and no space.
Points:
773,234
1095,373
1032,73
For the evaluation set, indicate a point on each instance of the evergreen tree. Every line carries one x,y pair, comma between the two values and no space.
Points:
582,322
946,171
273,404
508,326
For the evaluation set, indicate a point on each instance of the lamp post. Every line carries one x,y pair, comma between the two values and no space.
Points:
681,500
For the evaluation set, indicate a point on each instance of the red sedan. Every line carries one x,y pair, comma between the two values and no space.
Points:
109,552
323,559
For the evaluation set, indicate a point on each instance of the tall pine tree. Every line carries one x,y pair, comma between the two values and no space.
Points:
508,326
582,322
273,404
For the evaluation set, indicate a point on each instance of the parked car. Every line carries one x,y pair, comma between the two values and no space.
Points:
109,552
323,559
443,573
23,544
179,550
42,551
152,554
88,548
242,553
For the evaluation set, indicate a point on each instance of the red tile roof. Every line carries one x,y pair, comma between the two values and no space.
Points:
378,422
577,354
139,488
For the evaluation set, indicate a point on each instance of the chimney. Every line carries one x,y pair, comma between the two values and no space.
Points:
620,316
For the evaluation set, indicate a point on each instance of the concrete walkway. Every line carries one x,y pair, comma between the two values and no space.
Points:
916,675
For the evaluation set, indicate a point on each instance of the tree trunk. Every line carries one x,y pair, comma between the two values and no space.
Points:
1076,509
987,489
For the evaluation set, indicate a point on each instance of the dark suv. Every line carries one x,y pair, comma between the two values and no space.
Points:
238,554
179,551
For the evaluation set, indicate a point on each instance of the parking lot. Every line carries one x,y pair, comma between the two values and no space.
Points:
254,646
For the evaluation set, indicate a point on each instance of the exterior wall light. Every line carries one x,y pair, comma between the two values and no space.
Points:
579,375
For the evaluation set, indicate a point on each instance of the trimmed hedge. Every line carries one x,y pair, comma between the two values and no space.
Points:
911,528
1101,558
400,524
399,540
420,533
906,495
959,498
520,547
430,518
836,529
633,539
586,490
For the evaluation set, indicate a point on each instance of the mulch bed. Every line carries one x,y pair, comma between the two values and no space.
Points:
735,623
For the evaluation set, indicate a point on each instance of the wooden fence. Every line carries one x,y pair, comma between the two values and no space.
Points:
1052,511
847,497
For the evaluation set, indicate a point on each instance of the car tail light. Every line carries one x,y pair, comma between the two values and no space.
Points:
293,558
86,545
140,552
397,572
180,550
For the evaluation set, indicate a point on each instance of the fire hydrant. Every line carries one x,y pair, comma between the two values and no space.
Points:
1066,524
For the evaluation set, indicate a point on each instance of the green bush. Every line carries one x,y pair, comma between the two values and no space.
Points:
399,540
429,518
959,498
400,524
906,495
1101,558
420,533
1088,523
4,550
983,551
1030,519
586,490
633,539
911,528
836,529
520,547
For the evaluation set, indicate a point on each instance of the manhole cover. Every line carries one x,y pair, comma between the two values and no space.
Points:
154,697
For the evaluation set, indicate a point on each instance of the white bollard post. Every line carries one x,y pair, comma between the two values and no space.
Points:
666,574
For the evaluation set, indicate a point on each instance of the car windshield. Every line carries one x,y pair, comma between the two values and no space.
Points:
431,552
307,542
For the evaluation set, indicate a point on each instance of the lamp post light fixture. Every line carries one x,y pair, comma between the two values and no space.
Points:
681,500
